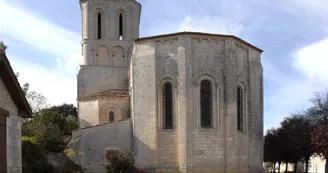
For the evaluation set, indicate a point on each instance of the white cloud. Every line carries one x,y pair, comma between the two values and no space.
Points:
37,32
312,60
57,83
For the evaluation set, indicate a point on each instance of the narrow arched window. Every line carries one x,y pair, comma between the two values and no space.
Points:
206,104
167,105
99,25
121,26
111,116
240,108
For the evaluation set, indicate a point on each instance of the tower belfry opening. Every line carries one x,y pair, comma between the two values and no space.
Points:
121,27
99,25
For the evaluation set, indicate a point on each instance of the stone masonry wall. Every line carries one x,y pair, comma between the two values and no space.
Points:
92,143
95,79
120,106
13,130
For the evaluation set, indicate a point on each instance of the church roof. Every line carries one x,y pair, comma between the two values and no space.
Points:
106,94
199,34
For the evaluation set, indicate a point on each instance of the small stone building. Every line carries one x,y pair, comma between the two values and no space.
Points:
13,106
182,102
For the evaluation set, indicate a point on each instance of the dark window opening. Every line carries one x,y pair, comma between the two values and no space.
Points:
206,104
99,25
240,108
111,116
121,27
168,106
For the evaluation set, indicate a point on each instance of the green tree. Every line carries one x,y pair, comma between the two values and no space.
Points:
71,124
320,142
272,148
299,136
318,115
65,109
48,127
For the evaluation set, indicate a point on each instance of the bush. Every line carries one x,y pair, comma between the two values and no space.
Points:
33,158
118,161
70,167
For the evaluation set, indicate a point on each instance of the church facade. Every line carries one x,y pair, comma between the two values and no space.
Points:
182,102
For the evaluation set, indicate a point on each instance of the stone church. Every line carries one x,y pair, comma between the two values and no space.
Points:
183,102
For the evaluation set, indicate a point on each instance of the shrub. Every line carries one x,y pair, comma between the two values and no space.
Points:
119,161
33,158
70,167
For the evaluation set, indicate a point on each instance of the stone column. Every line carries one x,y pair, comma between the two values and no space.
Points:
182,109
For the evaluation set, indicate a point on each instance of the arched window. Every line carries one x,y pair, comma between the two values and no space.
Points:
206,104
111,116
240,108
99,25
121,26
167,105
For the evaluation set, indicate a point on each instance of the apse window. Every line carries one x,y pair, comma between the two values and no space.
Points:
240,108
206,104
167,105
111,116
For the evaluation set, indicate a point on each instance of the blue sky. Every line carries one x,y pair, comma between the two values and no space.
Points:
44,42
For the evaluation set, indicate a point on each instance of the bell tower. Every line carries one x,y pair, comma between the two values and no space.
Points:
108,27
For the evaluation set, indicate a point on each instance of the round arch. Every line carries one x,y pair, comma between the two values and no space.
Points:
210,73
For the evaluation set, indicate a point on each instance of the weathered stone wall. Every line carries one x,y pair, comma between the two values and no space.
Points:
92,143
13,131
96,79
88,113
